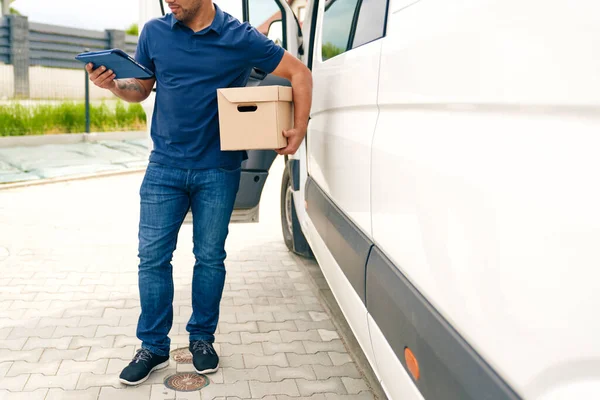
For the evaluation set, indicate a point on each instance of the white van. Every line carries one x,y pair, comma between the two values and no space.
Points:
448,188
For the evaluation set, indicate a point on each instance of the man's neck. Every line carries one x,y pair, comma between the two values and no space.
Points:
204,18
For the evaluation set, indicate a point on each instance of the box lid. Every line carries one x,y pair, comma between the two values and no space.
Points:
257,94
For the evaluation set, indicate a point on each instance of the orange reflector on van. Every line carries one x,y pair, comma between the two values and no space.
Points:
305,205
412,363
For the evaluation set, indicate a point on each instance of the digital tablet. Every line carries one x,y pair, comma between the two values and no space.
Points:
121,63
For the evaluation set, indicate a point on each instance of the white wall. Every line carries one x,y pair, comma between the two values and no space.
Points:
51,84
7,86
57,83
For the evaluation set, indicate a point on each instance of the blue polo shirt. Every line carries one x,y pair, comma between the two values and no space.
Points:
189,68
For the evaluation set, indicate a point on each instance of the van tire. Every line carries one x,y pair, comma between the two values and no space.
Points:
290,226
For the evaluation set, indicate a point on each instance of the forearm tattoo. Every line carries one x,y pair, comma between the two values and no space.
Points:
130,84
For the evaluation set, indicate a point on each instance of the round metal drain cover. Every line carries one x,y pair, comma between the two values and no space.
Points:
186,382
182,356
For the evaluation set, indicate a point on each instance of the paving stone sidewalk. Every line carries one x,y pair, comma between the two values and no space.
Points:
69,303
29,163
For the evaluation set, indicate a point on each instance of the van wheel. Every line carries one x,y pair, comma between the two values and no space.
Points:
290,226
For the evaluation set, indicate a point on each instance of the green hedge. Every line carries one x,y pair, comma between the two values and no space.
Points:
20,120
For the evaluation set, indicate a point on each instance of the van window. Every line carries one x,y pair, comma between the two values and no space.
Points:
337,25
371,22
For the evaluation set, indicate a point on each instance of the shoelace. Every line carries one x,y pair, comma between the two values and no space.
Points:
142,355
204,346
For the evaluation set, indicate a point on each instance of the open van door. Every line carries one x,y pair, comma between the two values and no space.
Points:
275,19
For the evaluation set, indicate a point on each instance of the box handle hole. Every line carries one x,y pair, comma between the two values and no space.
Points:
247,108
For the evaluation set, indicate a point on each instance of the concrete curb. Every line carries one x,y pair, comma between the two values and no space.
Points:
62,179
69,138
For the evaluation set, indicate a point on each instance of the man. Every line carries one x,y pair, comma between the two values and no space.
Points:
193,51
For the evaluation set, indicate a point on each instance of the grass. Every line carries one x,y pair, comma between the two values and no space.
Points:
69,117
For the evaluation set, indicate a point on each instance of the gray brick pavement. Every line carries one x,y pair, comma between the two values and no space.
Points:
232,375
297,360
331,385
340,358
252,361
69,305
39,394
286,386
275,348
303,372
61,394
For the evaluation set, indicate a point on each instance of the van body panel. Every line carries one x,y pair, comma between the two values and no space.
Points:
488,127
343,118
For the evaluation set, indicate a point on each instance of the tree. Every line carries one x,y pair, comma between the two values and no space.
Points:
330,50
133,30
7,9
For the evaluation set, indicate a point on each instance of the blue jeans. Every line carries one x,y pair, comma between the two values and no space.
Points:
167,194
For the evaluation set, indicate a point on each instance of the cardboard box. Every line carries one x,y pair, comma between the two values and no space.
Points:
254,118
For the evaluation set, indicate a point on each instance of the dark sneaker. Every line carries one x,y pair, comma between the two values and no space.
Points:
205,357
142,365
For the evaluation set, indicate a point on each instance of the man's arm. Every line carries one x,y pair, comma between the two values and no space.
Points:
293,70
130,90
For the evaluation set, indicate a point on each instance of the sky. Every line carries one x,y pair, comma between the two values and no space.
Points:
94,14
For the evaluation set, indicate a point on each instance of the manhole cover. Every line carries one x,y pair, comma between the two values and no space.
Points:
186,382
182,356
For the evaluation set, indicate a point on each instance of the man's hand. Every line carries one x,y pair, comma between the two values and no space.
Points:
293,70
131,90
101,77
295,137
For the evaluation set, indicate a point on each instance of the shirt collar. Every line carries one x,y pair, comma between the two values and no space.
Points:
216,25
